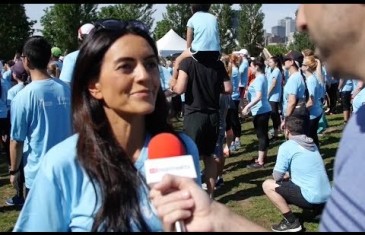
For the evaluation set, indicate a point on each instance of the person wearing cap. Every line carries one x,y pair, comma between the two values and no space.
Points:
294,92
69,60
20,76
55,58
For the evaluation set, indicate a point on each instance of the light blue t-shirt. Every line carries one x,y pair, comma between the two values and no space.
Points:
344,210
62,198
306,169
68,67
206,32
40,113
164,77
293,86
316,91
348,86
235,79
259,84
7,75
4,108
358,101
276,92
243,70
13,91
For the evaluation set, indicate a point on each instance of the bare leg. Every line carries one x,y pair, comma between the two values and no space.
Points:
269,186
210,166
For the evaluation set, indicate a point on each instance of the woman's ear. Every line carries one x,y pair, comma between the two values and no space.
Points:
95,91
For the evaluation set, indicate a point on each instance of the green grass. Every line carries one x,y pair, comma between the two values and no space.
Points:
242,191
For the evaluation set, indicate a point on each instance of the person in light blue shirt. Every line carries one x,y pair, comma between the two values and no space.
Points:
202,37
345,88
95,179
70,59
243,72
299,176
294,96
40,113
274,81
359,98
315,94
7,74
260,109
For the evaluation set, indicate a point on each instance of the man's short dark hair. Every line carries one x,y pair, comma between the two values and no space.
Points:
200,7
295,125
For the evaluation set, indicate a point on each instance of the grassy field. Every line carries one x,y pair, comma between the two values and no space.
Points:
242,190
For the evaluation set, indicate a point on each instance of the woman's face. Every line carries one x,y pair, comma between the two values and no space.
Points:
272,63
253,68
129,77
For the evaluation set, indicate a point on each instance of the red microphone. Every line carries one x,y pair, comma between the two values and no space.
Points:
167,155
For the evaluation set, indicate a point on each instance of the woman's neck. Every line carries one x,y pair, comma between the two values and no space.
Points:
292,70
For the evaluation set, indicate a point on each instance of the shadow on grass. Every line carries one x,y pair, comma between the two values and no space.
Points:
4,181
10,208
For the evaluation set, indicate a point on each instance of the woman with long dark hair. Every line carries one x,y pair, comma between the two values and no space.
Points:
95,180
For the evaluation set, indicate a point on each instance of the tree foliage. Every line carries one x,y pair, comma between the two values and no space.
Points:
142,12
162,27
277,49
250,28
301,42
225,16
177,16
15,29
61,21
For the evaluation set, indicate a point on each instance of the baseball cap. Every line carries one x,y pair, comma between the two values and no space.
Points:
296,56
243,52
18,70
56,51
84,30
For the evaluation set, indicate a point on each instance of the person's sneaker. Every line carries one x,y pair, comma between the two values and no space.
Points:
219,183
232,148
237,143
255,165
204,186
15,201
285,226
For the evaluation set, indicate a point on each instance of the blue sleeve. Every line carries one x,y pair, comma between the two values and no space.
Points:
44,209
283,159
243,72
18,116
67,69
291,87
259,85
192,149
311,86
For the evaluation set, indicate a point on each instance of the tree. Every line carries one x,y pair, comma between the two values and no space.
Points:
225,15
277,50
177,16
15,29
301,40
61,22
250,28
142,12
162,27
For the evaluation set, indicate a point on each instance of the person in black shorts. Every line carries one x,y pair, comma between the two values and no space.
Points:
202,82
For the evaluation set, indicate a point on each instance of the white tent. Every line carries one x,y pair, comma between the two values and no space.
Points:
170,43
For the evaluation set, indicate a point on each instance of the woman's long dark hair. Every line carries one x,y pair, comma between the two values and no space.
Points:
279,65
98,151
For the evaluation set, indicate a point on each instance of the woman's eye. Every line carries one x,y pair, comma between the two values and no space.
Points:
125,67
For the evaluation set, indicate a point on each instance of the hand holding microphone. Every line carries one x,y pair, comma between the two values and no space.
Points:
167,155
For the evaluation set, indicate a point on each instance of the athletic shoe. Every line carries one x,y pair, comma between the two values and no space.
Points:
219,183
255,165
237,143
285,226
15,201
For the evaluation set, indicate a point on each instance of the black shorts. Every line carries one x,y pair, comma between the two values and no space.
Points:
5,126
205,56
346,100
203,128
292,195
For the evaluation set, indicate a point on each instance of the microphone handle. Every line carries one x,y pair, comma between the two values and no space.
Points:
180,226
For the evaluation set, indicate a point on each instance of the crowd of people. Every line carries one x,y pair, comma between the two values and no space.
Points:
75,128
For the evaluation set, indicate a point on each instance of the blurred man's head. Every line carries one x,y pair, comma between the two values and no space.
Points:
337,33
294,125
84,30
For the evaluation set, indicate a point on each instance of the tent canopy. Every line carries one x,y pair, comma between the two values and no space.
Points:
170,43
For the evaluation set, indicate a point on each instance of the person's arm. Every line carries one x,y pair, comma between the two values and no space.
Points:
181,199
311,86
180,83
189,37
273,84
341,84
292,100
358,88
257,98
16,153
228,88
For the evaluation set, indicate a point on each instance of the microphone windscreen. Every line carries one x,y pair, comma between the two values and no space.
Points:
165,145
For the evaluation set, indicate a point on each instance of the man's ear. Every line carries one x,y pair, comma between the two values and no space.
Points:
95,91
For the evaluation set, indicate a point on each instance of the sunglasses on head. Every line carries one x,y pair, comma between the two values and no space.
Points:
115,24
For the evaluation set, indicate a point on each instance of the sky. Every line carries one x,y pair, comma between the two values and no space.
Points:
273,12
